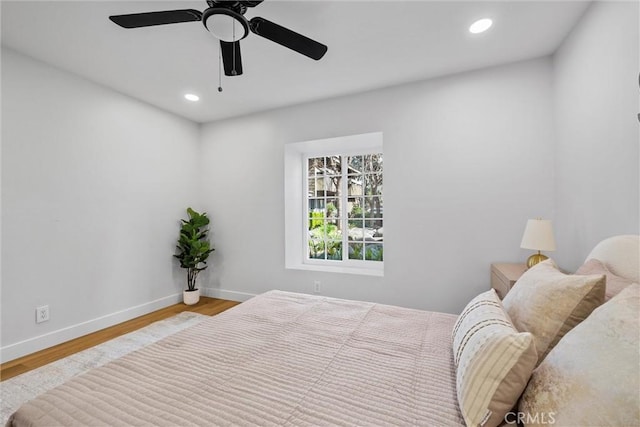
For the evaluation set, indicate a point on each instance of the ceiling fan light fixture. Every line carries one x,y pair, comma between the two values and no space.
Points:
225,24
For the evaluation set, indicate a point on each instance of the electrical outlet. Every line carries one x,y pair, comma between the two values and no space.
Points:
42,314
316,287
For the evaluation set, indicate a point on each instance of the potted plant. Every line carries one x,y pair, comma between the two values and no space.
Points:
193,251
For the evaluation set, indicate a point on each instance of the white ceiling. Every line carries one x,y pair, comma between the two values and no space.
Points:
372,44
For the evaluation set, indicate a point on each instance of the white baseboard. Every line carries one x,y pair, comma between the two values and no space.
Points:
31,345
225,294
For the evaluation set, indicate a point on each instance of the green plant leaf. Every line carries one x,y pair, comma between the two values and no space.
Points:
193,248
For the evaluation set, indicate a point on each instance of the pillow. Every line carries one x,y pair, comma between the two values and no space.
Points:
591,378
493,361
549,303
614,283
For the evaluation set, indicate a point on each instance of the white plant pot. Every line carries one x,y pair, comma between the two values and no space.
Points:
191,297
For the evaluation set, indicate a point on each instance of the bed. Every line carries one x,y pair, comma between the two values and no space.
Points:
283,358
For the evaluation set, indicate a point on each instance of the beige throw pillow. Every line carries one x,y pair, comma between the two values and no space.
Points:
614,283
549,303
493,361
592,377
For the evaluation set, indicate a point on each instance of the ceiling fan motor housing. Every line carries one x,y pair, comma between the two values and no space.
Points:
234,3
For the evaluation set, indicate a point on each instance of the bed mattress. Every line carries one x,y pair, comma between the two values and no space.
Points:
278,359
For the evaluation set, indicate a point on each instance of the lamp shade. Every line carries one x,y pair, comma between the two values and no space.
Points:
538,235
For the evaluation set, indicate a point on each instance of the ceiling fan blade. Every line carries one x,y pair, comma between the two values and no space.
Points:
148,19
231,58
287,38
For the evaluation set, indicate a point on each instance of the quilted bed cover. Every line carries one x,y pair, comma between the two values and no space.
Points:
279,359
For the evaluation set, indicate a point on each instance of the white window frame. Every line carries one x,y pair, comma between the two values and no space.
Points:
296,205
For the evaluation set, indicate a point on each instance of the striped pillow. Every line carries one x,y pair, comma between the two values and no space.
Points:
493,361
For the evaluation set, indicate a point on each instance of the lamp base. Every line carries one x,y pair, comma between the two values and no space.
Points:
535,259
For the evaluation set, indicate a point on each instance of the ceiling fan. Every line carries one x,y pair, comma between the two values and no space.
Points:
225,20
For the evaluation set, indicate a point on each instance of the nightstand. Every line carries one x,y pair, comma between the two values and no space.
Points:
504,276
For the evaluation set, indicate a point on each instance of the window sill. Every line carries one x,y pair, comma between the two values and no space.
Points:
338,269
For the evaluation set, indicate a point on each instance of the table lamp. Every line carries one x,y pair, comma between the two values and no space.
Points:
538,235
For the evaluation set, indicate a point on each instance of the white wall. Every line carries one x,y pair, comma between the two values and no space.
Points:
93,185
596,107
468,159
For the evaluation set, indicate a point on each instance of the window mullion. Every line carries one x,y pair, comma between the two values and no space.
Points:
306,212
344,201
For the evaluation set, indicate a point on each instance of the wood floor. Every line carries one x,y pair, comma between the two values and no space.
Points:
208,306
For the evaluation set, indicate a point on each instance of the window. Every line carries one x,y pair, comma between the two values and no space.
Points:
334,211
345,208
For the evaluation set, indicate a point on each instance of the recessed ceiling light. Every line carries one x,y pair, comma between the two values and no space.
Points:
191,97
480,26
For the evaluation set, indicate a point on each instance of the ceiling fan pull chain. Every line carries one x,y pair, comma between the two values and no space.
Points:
219,68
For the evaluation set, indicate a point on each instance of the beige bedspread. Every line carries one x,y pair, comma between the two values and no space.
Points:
278,359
